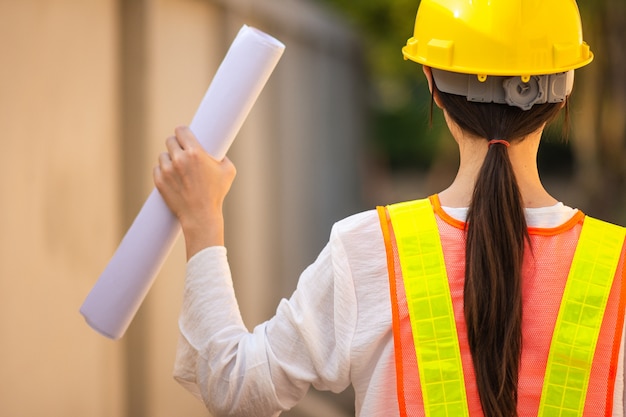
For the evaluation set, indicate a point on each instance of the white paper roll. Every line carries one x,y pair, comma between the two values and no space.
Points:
117,295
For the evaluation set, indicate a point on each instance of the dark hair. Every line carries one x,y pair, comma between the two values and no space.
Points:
496,236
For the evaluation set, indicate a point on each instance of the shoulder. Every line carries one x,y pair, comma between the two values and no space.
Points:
358,234
359,224
357,243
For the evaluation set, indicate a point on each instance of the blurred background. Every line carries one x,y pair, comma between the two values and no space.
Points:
90,89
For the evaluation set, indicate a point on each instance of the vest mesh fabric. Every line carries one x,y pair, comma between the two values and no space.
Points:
545,270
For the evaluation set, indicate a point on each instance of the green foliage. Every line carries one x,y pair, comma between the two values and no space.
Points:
385,26
399,98
403,135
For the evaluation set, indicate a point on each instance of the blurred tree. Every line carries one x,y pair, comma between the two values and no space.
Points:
399,97
599,110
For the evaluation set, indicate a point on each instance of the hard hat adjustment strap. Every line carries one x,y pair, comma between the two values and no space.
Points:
514,91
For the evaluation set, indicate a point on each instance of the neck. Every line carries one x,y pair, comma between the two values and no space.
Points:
523,156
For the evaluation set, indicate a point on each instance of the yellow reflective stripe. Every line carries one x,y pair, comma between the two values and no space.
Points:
580,318
430,308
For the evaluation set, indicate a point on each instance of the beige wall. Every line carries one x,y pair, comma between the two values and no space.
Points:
88,92
59,205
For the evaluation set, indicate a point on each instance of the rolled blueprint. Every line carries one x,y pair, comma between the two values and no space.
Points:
117,295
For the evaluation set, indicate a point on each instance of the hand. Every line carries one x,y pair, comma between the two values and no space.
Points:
194,186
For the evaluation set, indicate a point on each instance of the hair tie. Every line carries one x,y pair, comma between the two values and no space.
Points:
499,142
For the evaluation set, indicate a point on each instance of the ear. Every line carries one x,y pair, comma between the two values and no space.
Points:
429,77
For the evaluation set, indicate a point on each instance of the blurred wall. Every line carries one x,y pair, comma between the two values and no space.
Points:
59,191
88,93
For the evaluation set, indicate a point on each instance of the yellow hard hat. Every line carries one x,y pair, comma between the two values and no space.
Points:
499,37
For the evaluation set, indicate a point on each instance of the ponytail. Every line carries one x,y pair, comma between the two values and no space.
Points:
496,237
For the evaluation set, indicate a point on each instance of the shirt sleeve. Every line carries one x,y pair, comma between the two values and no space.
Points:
240,373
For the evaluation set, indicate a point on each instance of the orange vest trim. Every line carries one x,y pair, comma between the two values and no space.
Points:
616,345
387,236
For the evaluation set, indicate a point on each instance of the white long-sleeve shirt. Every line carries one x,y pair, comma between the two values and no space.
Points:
334,331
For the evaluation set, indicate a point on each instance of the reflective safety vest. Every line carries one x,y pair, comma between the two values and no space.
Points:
573,296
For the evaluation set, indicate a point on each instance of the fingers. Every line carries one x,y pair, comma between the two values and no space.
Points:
163,166
184,146
174,150
186,139
183,139
165,161
184,155
179,147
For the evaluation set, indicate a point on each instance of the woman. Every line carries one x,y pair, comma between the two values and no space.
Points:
502,300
